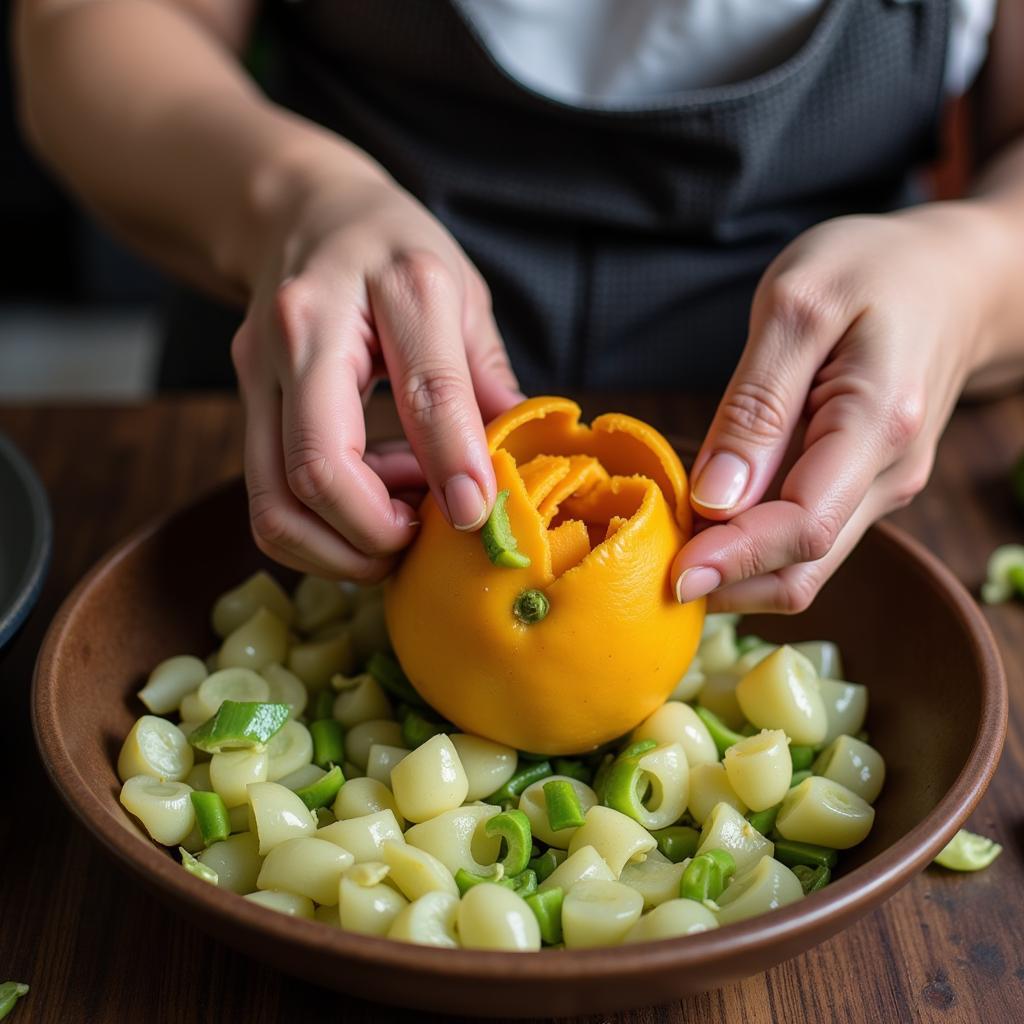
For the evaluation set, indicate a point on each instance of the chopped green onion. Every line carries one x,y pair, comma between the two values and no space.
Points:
543,865
531,606
547,908
812,879
748,643
10,993
465,880
328,742
514,829
723,736
677,842
197,867
239,724
764,821
563,805
417,729
791,853
389,674
499,542
323,791
622,787
802,757
323,706
706,876
572,768
211,817
524,777
799,777
967,851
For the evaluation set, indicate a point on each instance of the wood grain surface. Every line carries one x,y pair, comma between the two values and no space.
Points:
98,949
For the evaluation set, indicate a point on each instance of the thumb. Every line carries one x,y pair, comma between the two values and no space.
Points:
760,409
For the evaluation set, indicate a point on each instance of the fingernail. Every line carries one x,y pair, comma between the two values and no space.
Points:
697,582
466,506
722,481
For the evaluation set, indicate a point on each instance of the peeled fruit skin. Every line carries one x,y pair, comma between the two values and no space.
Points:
615,641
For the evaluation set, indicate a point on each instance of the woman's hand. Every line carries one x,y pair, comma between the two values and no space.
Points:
358,281
863,333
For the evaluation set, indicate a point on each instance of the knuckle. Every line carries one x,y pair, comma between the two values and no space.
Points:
903,421
294,304
797,592
419,277
802,305
753,410
430,394
241,352
911,484
817,535
271,527
308,470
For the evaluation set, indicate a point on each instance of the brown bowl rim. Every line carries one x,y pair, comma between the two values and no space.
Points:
848,897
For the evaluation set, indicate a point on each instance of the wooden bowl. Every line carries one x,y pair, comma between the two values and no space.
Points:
906,626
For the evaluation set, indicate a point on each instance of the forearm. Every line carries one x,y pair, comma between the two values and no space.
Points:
150,119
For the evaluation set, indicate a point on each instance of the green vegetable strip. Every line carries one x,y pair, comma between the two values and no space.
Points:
465,880
572,768
677,842
723,736
636,749
812,879
211,817
328,742
799,777
10,993
792,853
239,724
967,851
764,821
323,706
706,876
547,908
389,674
499,542
323,791
524,884
563,805
802,757
543,865
524,777
621,787
417,729
514,829
197,867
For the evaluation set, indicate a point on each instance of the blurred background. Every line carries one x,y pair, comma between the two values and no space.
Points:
82,318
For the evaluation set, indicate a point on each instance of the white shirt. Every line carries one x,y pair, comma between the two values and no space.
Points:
609,53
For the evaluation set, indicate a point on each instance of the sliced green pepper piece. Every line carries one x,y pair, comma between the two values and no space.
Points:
532,773
967,851
723,736
812,879
514,828
323,706
323,791
499,542
239,724
328,742
707,875
386,670
545,863
197,867
677,842
211,817
563,805
10,993
547,908
792,853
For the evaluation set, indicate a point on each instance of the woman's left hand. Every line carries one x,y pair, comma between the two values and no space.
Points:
862,335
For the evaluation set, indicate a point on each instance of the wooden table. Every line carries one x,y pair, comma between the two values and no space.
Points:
97,948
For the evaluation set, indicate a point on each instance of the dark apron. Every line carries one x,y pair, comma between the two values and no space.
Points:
622,247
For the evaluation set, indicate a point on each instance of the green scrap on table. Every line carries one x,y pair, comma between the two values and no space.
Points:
10,993
967,851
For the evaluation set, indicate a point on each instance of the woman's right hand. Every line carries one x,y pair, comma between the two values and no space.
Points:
359,281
